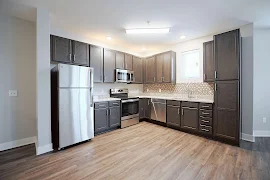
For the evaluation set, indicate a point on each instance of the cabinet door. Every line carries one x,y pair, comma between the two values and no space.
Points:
189,118
227,55
114,118
138,69
61,49
173,116
150,70
80,53
167,68
142,108
159,68
96,61
147,108
101,120
227,120
208,62
119,60
109,66
128,62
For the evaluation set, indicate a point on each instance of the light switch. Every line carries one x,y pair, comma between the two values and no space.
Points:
13,93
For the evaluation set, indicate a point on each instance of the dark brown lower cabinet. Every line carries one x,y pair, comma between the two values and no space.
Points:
174,114
145,111
227,118
189,116
107,115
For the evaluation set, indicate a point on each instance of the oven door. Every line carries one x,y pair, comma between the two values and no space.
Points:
130,109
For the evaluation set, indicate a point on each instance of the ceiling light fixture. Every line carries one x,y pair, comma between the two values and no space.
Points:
143,49
182,37
109,38
148,31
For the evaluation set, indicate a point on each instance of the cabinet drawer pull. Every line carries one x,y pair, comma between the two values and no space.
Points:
178,110
205,130
205,106
70,57
203,125
205,113
205,121
190,108
115,103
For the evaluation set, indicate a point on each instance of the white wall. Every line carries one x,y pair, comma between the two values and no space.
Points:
17,72
261,90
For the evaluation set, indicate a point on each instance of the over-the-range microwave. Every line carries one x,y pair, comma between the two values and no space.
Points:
124,76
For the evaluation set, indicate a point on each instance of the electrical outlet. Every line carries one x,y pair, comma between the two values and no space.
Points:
159,90
147,90
13,93
264,120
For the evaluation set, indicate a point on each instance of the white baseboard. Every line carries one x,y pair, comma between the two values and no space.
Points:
248,137
43,149
261,133
17,143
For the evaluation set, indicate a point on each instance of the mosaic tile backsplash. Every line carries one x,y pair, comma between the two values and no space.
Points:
200,89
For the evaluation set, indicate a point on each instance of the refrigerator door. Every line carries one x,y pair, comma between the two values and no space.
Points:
71,76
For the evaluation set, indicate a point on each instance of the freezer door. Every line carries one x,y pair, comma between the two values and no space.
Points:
71,76
75,116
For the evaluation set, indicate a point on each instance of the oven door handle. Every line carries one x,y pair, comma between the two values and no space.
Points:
130,100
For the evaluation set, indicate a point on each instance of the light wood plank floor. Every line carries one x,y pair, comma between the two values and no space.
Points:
144,151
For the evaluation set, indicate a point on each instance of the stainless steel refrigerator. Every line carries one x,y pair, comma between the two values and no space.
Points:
71,105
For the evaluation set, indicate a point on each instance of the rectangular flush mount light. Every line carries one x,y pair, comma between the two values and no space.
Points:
148,31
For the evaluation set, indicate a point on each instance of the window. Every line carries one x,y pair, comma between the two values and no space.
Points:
191,67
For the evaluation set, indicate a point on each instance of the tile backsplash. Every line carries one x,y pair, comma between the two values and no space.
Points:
200,89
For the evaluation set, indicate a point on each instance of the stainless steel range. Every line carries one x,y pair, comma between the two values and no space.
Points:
130,107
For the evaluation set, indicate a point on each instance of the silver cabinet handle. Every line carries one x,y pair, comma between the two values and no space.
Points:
205,121
70,57
205,130
215,74
215,86
148,102
182,112
178,110
190,108
74,57
154,79
205,113
205,106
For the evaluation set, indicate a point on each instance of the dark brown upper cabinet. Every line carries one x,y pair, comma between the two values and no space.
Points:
96,61
128,62
109,66
119,60
138,70
69,51
189,116
61,49
227,120
80,53
208,62
227,55
150,70
166,67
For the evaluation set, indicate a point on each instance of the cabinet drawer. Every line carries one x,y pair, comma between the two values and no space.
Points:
99,105
206,113
173,103
205,129
114,103
206,106
190,104
206,121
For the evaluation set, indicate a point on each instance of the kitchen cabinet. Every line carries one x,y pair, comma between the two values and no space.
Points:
161,68
208,62
150,70
206,118
174,114
227,119
109,66
119,60
227,55
61,49
189,116
80,53
138,70
107,116
69,51
96,61
128,62
145,108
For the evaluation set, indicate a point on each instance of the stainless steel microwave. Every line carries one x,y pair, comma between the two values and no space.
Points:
124,76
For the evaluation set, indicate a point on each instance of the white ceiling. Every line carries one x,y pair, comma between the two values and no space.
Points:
97,19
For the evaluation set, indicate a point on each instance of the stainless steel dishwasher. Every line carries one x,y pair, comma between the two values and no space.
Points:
158,110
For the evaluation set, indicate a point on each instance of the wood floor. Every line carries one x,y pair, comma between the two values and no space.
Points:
144,151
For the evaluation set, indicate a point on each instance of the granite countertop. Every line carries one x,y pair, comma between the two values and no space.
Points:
100,99
178,98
